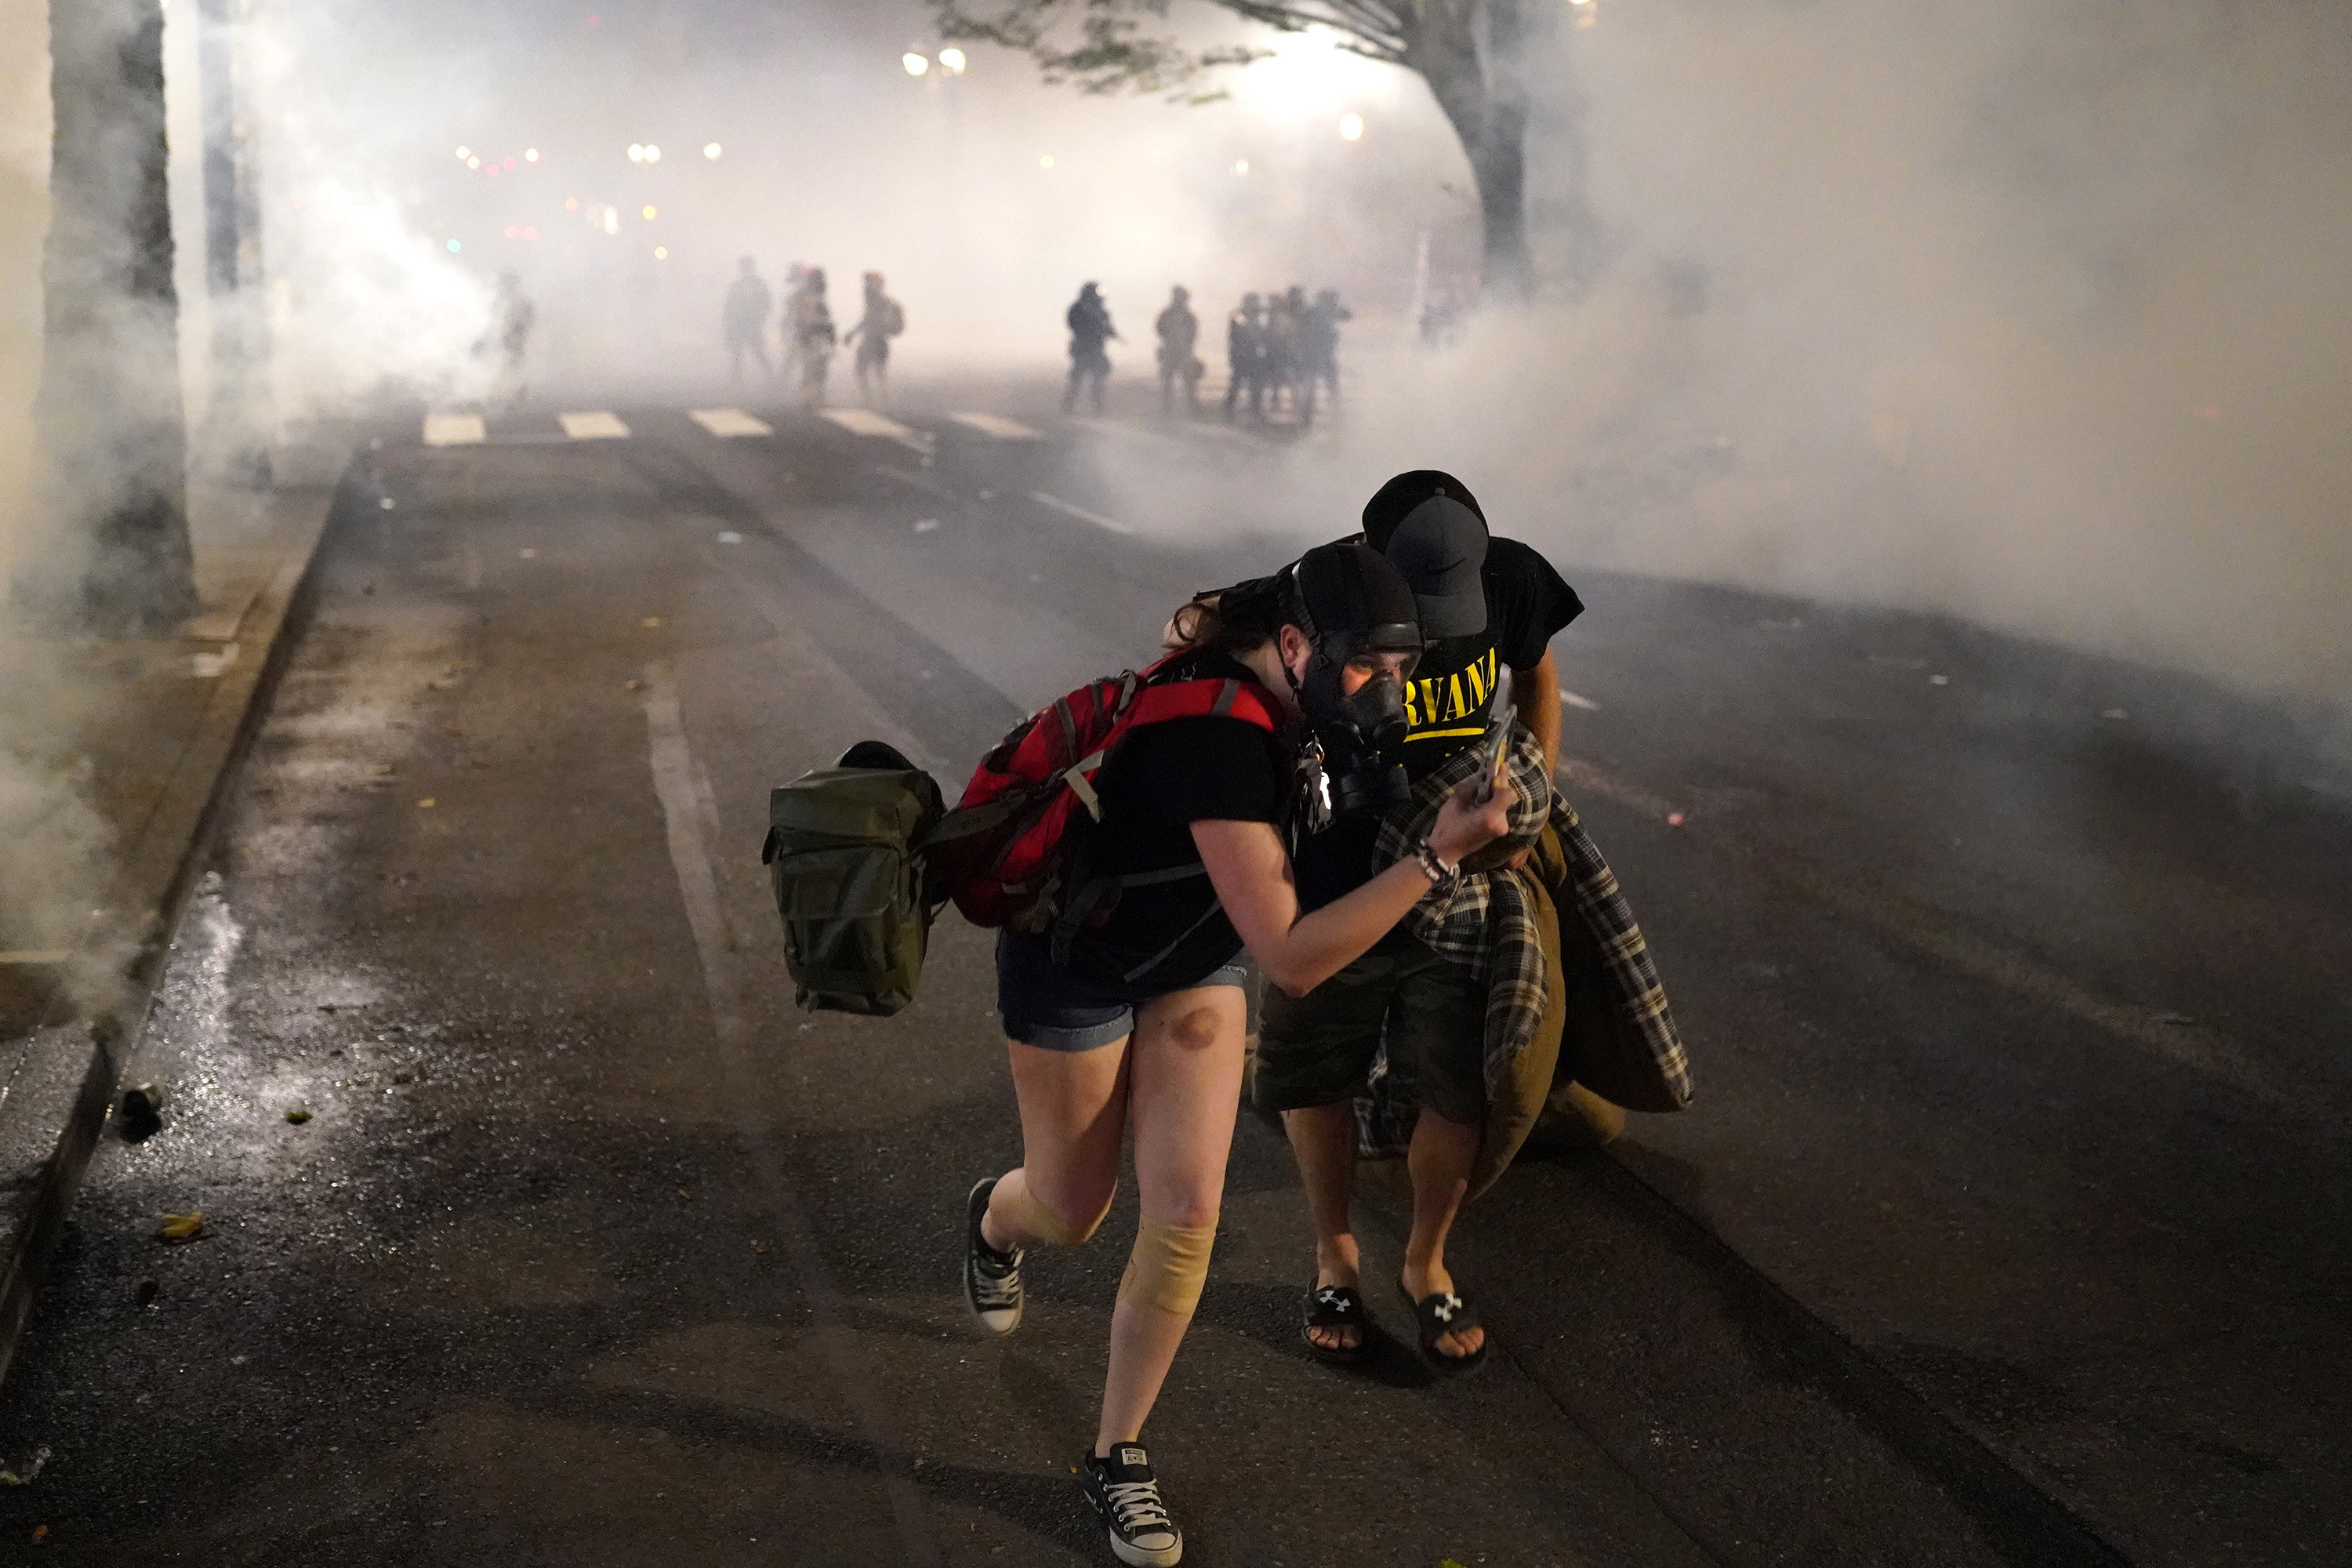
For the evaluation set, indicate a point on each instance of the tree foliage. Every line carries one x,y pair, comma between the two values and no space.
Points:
1468,52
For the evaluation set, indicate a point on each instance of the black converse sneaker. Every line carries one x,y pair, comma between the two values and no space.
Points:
1128,1500
992,1279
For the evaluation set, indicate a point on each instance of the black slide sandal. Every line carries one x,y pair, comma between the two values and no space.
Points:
1337,1307
1441,1314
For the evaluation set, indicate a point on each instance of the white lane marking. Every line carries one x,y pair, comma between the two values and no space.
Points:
1573,701
692,818
600,426
209,666
1003,429
455,430
36,955
866,422
1070,510
725,423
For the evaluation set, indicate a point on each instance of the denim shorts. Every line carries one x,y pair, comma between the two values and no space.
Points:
1045,1004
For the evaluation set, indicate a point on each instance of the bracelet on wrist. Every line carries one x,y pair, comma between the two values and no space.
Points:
1438,873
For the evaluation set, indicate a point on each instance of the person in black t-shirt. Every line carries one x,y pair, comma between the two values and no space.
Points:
1141,1023
1485,603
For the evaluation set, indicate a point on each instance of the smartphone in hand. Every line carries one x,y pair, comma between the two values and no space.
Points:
1497,745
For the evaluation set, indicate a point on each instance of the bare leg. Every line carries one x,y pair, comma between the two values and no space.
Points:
1184,1089
1073,1111
1323,1139
1440,1160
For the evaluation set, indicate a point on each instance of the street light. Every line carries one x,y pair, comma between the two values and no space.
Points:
711,150
1351,127
530,155
653,154
1240,165
916,64
650,215
952,61
636,152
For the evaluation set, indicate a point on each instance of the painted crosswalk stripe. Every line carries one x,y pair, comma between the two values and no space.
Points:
1068,508
1003,429
455,430
727,422
600,426
866,422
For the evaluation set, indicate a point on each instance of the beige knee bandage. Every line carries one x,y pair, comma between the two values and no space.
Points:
1032,1218
1169,1265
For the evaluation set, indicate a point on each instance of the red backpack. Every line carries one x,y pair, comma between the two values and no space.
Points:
1008,850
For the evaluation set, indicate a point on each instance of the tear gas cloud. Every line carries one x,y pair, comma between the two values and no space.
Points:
2027,313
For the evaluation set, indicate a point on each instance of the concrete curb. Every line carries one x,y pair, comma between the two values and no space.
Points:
53,1106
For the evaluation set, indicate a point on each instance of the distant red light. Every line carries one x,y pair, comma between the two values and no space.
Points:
491,170
513,233
595,21
529,232
510,163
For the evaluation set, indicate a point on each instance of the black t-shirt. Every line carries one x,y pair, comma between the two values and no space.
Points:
1163,778
1447,704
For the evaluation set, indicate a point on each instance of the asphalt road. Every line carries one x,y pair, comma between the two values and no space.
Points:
2009,1225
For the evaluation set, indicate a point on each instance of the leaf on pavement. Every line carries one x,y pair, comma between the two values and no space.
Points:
297,1116
181,1226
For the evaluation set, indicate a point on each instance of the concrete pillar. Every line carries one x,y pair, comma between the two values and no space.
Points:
239,418
113,444
24,126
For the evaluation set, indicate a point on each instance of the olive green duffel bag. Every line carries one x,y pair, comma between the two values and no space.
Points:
845,847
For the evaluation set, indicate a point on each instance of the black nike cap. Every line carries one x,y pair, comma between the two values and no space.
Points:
1351,590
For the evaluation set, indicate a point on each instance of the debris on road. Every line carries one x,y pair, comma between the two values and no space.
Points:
633,685
147,1292
297,1116
927,525
141,1112
650,623
10,1477
427,804
1673,819
181,1226
731,536
1939,680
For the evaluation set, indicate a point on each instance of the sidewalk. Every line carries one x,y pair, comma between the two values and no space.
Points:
161,743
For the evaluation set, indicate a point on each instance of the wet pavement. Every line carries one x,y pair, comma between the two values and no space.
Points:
2009,1224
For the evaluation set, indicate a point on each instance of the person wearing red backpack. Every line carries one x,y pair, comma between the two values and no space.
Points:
1125,1011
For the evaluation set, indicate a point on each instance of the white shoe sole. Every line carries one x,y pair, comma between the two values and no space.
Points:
1143,1557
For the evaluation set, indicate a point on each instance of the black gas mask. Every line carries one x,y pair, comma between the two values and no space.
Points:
1361,733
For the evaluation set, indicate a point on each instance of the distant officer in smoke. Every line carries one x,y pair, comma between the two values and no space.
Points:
1319,347
1245,357
884,318
1179,332
512,316
1280,374
1091,329
813,338
788,321
744,320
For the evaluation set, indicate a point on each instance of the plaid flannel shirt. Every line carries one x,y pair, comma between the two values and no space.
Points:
1486,921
